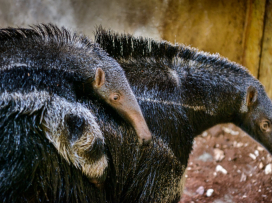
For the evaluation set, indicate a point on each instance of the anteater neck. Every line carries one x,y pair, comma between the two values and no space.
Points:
210,98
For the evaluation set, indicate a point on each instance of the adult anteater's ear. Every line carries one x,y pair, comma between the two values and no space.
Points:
252,95
99,77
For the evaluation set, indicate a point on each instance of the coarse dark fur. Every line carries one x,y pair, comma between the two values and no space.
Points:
49,51
42,71
191,90
36,131
51,62
33,171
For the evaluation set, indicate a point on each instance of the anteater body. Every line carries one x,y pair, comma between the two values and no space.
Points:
183,91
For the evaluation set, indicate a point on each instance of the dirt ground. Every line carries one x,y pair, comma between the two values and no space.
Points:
246,176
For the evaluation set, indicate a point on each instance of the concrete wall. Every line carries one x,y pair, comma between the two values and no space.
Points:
239,30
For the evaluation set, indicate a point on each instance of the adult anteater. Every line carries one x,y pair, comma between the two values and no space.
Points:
44,73
181,89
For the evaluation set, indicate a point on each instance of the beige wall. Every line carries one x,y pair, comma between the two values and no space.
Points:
265,71
239,30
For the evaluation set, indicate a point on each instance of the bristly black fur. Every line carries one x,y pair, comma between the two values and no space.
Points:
201,88
44,33
31,170
126,46
202,95
51,56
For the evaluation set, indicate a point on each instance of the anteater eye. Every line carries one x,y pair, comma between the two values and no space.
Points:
116,97
265,125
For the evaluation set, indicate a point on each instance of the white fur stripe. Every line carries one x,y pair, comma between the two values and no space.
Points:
195,108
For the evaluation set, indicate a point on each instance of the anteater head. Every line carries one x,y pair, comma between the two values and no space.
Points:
73,130
69,126
256,112
112,86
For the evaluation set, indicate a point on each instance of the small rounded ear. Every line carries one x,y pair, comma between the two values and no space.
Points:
252,95
99,77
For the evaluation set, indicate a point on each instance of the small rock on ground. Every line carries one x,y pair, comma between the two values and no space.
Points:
268,169
200,190
209,192
219,168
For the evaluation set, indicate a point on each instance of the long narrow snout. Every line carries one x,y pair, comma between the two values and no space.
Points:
133,114
142,130
120,96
